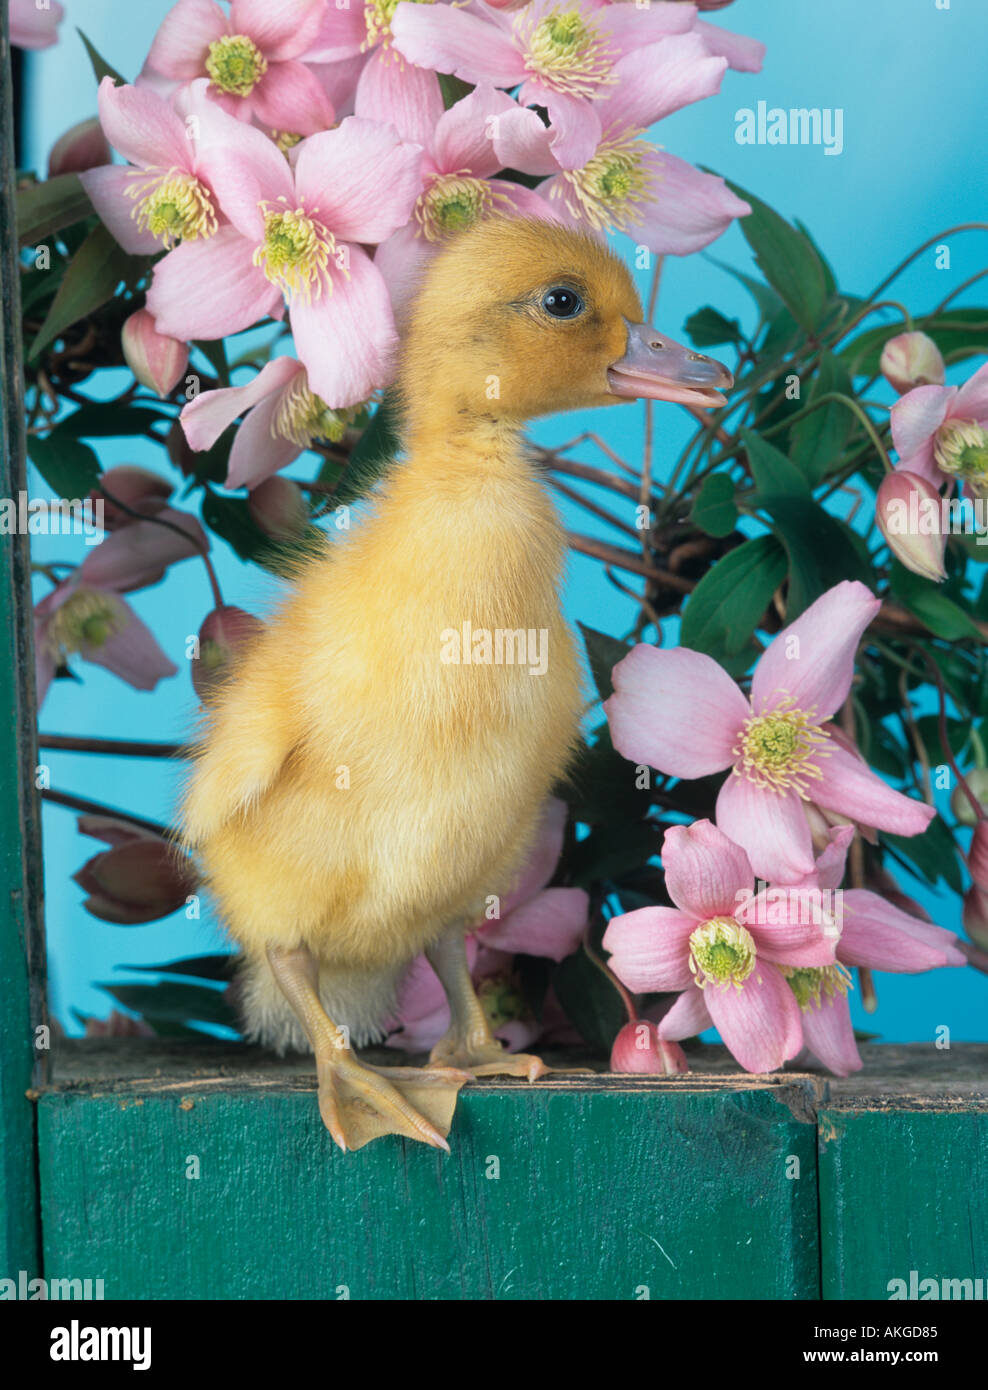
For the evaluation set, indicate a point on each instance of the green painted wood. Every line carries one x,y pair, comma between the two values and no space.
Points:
21,939
606,1188
904,1175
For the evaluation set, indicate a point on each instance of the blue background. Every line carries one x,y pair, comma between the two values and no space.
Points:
910,79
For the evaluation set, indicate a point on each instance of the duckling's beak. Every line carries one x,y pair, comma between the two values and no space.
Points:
656,368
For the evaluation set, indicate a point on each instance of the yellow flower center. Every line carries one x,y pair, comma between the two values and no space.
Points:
235,64
87,619
302,416
960,448
810,983
501,1000
453,202
606,191
777,750
722,953
285,139
296,251
567,52
172,205
378,15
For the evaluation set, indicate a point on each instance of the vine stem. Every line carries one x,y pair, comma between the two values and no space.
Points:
170,526
626,998
948,753
95,808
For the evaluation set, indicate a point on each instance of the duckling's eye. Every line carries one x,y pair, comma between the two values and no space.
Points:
562,303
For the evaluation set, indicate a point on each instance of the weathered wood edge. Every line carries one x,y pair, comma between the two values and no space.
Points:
22,962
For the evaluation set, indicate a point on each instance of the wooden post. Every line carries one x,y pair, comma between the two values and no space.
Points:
22,966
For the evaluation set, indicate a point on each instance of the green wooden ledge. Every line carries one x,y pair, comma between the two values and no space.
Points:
704,1186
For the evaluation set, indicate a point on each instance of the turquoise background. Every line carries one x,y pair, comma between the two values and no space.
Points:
909,76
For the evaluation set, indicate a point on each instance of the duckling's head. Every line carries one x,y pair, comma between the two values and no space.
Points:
518,318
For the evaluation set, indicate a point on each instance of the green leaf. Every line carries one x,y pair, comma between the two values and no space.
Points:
589,1000
821,549
764,296
707,327
603,653
107,420
372,453
214,352
175,1003
91,279
100,66
600,786
787,259
727,605
772,472
230,518
715,510
818,440
44,208
933,853
220,967
927,602
453,89
610,851
70,468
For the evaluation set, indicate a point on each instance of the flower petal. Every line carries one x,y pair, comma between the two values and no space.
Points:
258,451
107,189
138,554
972,398
772,828
406,97
402,259
244,168
541,863
347,339
686,210
575,130
650,949
676,710
706,874
791,926
688,1016
183,38
883,937
551,924
464,134
916,417
280,31
524,142
760,1022
361,178
342,34
207,289
742,53
290,97
847,785
812,660
450,40
633,26
142,127
205,418
828,1034
658,79
133,654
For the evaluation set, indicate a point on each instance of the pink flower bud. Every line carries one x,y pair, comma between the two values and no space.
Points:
279,509
223,635
977,780
977,855
139,881
908,513
137,488
911,359
975,915
82,147
156,360
638,1048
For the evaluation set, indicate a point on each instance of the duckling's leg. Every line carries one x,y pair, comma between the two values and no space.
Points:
470,1042
359,1102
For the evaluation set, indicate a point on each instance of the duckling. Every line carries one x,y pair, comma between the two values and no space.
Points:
372,776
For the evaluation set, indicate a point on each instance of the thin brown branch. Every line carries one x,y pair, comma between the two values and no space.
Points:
118,747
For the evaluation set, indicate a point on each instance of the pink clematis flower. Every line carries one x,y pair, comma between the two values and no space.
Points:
627,183
281,419
95,623
458,188
874,933
33,27
297,231
562,53
137,553
250,58
163,196
534,920
680,712
941,433
722,948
